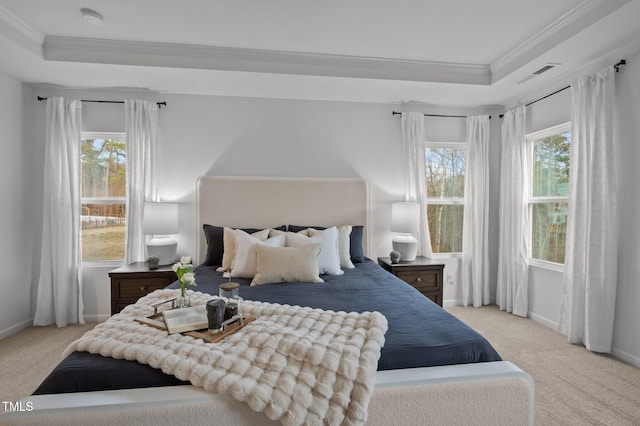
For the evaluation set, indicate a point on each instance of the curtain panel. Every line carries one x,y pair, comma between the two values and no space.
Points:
413,140
589,291
512,291
141,125
475,230
59,292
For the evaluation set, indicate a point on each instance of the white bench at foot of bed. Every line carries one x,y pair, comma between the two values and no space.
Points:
493,393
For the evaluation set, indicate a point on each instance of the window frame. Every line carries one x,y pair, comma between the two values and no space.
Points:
531,200
102,200
450,201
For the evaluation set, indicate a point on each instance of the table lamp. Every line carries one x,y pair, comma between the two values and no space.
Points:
160,220
405,220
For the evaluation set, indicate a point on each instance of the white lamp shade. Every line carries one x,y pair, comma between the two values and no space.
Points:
405,218
160,219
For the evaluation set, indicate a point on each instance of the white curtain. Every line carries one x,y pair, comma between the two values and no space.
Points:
141,125
59,294
413,140
588,302
475,230
513,247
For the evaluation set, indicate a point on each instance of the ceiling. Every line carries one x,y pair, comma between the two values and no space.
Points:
447,53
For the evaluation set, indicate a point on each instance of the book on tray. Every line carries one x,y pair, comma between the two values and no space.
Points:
186,319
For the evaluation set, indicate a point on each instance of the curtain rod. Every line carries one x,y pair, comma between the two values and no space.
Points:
616,66
436,115
160,104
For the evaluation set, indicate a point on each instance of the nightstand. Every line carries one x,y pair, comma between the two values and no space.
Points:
131,282
426,275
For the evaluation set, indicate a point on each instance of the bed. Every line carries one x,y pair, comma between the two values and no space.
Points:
427,356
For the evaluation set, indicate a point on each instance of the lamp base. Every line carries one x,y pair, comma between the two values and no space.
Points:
407,245
163,248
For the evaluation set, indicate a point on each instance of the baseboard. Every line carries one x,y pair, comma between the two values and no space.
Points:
16,328
96,318
626,357
543,321
451,302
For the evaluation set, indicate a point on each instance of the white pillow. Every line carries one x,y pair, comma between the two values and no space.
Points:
287,264
344,245
328,259
229,241
244,262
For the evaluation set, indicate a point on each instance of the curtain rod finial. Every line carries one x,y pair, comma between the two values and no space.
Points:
619,64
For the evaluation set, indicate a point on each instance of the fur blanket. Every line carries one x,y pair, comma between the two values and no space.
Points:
297,365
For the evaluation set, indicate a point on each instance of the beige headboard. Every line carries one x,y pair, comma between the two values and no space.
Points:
262,202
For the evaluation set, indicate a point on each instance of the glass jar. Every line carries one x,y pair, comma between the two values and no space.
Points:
229,290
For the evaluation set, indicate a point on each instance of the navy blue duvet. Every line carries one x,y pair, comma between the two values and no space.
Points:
420,334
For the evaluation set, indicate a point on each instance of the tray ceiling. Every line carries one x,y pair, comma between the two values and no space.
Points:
456,52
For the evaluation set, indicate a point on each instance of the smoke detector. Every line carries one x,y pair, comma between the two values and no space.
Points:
546,67
92,17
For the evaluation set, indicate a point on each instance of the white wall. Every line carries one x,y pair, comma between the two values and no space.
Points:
15,215
626,337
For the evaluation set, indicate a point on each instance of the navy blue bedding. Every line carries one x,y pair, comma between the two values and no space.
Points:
420,334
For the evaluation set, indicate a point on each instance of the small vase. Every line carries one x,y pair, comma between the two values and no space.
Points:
183,299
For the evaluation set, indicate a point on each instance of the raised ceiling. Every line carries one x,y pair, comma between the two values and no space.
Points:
450,52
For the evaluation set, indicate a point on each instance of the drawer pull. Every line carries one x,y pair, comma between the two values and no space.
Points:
143,288
419,280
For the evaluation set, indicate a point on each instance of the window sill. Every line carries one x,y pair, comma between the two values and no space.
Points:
447,255
546,265
102,264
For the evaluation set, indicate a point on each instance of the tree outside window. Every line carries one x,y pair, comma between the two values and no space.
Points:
104,173
549,197
445,172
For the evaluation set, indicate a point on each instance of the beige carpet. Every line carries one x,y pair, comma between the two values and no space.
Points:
573,385
26,358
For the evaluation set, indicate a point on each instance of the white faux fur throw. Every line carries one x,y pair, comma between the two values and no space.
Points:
297,365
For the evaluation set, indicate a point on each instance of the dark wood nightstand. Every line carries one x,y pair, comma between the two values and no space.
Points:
131,282
426,275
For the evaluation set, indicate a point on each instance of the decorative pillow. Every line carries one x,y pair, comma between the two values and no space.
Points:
229,253
244,262
215,242
298,228
355,244
328,259
287,264
355,240
344,233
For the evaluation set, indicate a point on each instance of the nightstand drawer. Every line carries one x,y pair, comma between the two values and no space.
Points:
421,280
425,275
133,281
136,288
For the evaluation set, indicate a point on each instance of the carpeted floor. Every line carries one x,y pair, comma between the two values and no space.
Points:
573,385
26,358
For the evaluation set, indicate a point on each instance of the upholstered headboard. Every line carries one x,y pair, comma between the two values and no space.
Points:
262,202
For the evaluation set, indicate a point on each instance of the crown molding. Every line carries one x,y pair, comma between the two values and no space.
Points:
124,52
570,23
191,56
20,26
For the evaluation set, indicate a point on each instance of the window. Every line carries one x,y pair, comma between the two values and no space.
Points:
445,171
104,171
549,192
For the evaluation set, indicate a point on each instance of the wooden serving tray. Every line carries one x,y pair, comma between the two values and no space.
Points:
209,337
156,321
